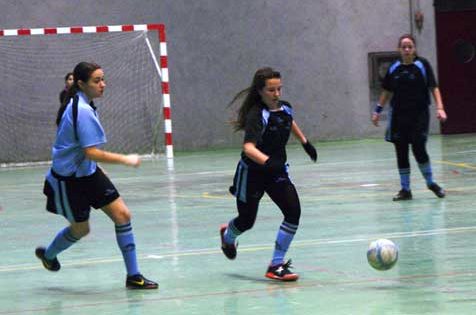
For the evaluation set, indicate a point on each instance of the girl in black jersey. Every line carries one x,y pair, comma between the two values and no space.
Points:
68,83
407,84
267,122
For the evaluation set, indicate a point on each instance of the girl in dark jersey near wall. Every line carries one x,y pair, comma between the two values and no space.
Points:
407,83
267,122
68,83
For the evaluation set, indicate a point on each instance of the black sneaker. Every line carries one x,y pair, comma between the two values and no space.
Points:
437,190
228,249
140,282
281,272
403,195
51,265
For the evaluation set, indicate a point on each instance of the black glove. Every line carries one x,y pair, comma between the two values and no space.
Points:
273,165
310,150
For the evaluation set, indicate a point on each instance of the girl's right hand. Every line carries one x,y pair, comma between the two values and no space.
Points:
441,115
132,160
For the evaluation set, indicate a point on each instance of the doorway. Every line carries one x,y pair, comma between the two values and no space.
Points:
456,47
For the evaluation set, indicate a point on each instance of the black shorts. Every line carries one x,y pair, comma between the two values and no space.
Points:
73,197
408,127
250,183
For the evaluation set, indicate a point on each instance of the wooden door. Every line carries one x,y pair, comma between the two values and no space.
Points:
456,44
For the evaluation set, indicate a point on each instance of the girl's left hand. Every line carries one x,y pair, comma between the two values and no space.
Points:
310,150
441,115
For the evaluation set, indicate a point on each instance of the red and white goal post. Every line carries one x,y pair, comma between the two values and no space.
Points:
161,65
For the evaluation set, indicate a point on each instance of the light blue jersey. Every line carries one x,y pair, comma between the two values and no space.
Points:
68,154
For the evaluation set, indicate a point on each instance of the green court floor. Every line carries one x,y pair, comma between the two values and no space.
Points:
346,203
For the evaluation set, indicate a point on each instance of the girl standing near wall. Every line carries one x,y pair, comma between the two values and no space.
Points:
68,83
407,84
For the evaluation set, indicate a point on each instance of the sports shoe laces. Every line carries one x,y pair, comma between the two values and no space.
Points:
286,266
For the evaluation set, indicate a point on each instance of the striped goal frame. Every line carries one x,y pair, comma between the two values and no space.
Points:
161,66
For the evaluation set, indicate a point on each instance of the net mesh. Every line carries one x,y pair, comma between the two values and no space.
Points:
32,69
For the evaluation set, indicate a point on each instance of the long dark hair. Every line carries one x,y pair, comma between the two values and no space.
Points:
82,71
251,95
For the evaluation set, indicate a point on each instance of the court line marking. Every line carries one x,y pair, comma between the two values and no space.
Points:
250,248
308,198
463,152
339,196
462,165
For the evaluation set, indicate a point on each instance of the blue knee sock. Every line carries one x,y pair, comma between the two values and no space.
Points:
427,172
404,178
231,233
283,240
125,240
63,240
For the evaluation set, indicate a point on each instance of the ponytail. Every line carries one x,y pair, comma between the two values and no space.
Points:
69,94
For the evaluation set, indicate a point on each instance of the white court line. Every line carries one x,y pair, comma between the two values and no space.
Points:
250,248
463,152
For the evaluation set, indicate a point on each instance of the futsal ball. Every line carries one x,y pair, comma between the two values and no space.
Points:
382,254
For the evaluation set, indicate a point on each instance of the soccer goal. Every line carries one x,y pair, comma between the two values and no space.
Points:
135,109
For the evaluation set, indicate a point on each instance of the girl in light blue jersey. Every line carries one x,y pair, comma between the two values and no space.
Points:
75,182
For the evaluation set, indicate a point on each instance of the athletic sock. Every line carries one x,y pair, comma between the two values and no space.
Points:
63,240
125,240
283,240
231,233
427,172
404,178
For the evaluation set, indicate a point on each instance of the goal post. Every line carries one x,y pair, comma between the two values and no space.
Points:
137,99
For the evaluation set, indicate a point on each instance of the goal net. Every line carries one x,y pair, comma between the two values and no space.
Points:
32,70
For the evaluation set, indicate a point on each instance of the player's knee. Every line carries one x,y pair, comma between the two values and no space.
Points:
244,224
248,226
123,216
293,218
80,230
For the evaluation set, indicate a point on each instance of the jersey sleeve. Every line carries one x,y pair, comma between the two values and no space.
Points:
90,131
287,108
286,103
253,127
431,80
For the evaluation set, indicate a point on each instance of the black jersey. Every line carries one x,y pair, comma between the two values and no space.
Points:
62,97
410,85
269,130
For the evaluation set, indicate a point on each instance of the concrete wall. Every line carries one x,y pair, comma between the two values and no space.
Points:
215,46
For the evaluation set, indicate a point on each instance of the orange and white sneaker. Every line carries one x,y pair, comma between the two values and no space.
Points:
281,272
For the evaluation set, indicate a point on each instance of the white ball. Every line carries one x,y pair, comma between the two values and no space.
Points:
382,254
